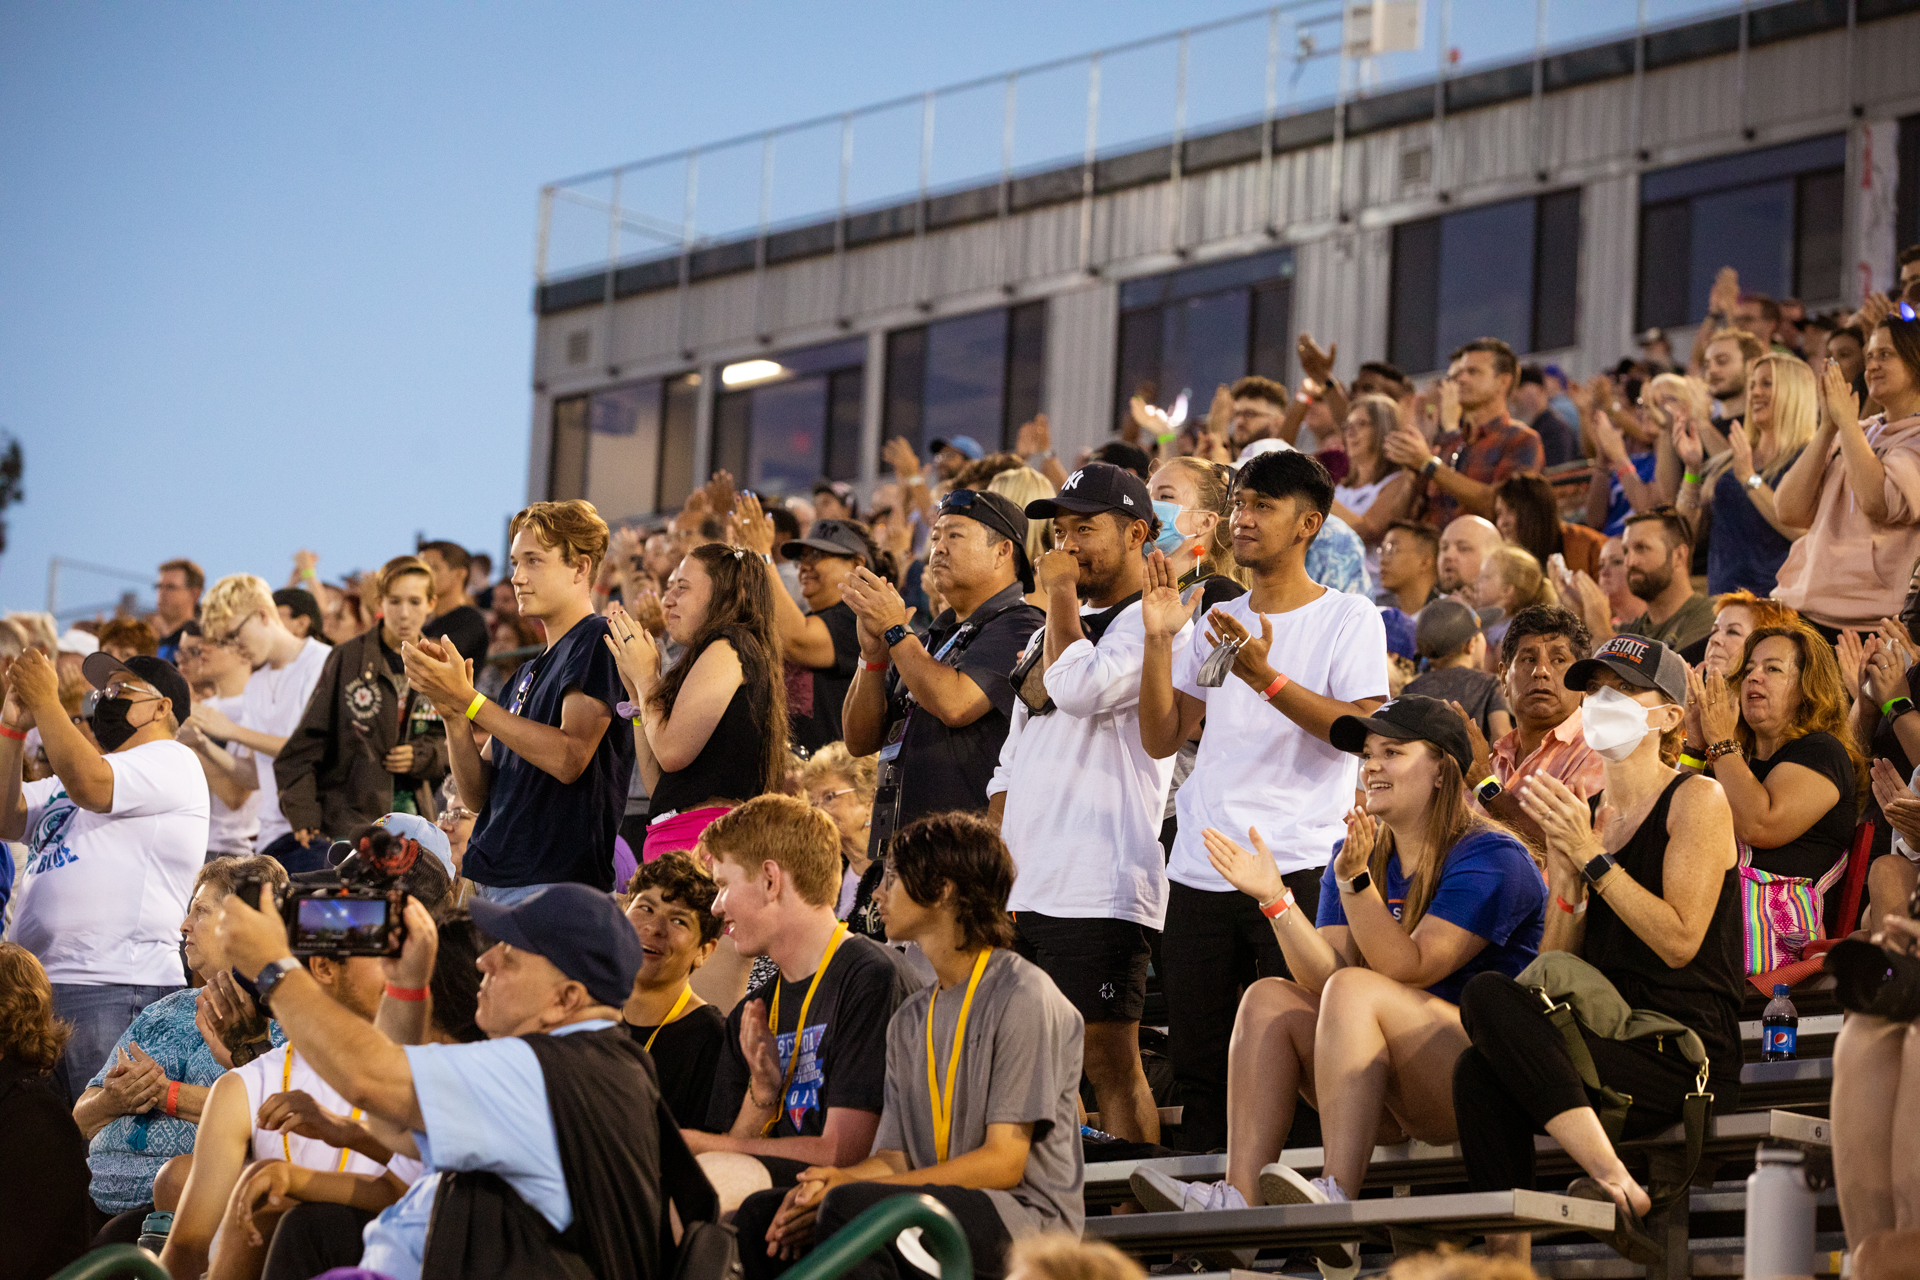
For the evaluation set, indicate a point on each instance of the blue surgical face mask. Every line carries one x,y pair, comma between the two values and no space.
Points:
1170,539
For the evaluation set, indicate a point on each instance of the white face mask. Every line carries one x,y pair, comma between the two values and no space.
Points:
1613,724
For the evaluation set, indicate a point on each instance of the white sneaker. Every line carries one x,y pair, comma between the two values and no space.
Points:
1159,1193
1280,1184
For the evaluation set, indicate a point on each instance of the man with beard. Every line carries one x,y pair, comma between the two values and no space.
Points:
1479,445
1659,553
1464,546
1724,365
1079,800
1307,655
1540,644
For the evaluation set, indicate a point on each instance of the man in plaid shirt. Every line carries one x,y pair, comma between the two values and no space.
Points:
1479,445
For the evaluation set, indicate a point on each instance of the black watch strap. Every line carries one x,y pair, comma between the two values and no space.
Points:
895,634
1898,707
270,977
1597,867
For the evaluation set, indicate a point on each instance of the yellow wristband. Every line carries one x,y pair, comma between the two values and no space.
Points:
473,708
1692,762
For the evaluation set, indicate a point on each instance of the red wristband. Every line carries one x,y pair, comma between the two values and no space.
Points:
873,666
173,1098
410,994
1279,906
1568,907
8,731
1279,683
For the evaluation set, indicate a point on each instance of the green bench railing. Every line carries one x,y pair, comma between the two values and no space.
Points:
111,1262
875,1229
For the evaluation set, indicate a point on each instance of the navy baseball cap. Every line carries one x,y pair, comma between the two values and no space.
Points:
1408,718
100,669
579,929
1098,486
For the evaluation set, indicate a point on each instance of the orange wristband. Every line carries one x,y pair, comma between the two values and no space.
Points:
1568,907
1279,906
173,1099
1279,683
8,731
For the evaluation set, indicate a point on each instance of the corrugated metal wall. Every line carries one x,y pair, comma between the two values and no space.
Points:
1589,136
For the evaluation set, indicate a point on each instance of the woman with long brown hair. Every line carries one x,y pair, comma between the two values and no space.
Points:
1375,492
43,1158
1421,896
712,732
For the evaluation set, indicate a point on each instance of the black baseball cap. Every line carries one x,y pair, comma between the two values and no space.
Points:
1098,486
990,509
1643,663
579,929
1409,718
828,537
100,669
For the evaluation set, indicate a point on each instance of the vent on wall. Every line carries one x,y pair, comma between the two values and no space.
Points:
579,346
1416,168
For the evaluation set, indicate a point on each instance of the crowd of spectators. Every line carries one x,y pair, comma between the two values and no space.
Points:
792,851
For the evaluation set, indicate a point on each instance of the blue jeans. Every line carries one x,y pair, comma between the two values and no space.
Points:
99,1015
506,897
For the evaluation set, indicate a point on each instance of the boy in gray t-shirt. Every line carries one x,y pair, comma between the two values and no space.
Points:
1008,1141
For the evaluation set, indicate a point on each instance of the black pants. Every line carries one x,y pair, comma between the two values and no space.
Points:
1517,1076
986,1235
313,1238
1214,946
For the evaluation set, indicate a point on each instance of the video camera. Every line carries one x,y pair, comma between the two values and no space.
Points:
362,913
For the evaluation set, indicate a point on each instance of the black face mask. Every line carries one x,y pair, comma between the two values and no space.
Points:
109,721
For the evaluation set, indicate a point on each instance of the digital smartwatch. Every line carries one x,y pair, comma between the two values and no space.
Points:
895,634
1489,791
1895,708
1597,868
1358,884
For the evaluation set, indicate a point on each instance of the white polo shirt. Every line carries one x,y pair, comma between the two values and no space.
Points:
273,703
1084,799
1256,768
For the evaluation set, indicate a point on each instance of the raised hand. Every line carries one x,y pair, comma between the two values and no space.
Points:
1882,673
1314,362
1607,440
900,456
634,653
412,969
765,1075
1725,294
1056,568
1220,413
1719,711
1874,308
1742,463
1565,824
1836,394
1852,653
1253,872
719,491
1035,437
645,608
1162,612
1449,405
1687,442
752,526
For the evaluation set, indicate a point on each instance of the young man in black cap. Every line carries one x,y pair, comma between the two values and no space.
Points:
1079,800
938,711
824,640
559,1096
114,840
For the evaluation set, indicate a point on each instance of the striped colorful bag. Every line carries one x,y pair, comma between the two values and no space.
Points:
1783,913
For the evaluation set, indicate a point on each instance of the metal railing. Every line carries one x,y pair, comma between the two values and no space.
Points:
113,1261
940,1236
1260,66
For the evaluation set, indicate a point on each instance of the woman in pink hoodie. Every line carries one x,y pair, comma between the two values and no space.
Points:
1856,488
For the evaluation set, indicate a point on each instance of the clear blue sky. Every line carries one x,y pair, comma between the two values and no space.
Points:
265,269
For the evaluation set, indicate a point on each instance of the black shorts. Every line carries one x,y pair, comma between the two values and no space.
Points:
1100,966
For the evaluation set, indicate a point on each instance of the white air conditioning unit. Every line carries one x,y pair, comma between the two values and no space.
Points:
1375,27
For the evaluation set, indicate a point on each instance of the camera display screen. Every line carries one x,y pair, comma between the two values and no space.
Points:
344,922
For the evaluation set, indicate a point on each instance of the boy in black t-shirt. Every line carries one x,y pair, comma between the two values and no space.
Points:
670,907
802,1077
550,783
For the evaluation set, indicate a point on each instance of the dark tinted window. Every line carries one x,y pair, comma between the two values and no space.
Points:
1486,275
1819,214
978,375
1556,271
1414,309
1198,329
567,451
1026,368
678,416
785,420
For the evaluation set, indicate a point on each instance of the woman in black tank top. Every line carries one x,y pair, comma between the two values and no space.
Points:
1645,887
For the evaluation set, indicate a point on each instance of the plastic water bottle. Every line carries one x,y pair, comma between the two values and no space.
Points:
1779,1216
1779,1027
154,1230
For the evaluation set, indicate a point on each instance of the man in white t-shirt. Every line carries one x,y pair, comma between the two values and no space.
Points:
218,678
113,843
278,1108
1307,656
238,613
1077,797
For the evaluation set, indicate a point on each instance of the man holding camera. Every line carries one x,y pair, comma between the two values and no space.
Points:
559,1097
113,843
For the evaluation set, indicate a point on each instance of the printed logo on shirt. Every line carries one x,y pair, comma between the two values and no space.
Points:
803,1095
47,842
363,700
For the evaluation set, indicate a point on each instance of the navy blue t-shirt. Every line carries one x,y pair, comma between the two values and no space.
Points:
1488,886
534,828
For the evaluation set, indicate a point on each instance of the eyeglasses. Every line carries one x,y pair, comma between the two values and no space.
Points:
453,817
232,639
132,692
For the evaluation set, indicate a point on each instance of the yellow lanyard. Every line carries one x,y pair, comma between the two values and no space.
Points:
286,1085
672,1013
799,1028
943,1102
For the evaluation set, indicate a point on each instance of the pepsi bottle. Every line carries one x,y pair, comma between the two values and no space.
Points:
1779,1026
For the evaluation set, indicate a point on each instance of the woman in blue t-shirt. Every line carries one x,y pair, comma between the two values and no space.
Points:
1422,894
